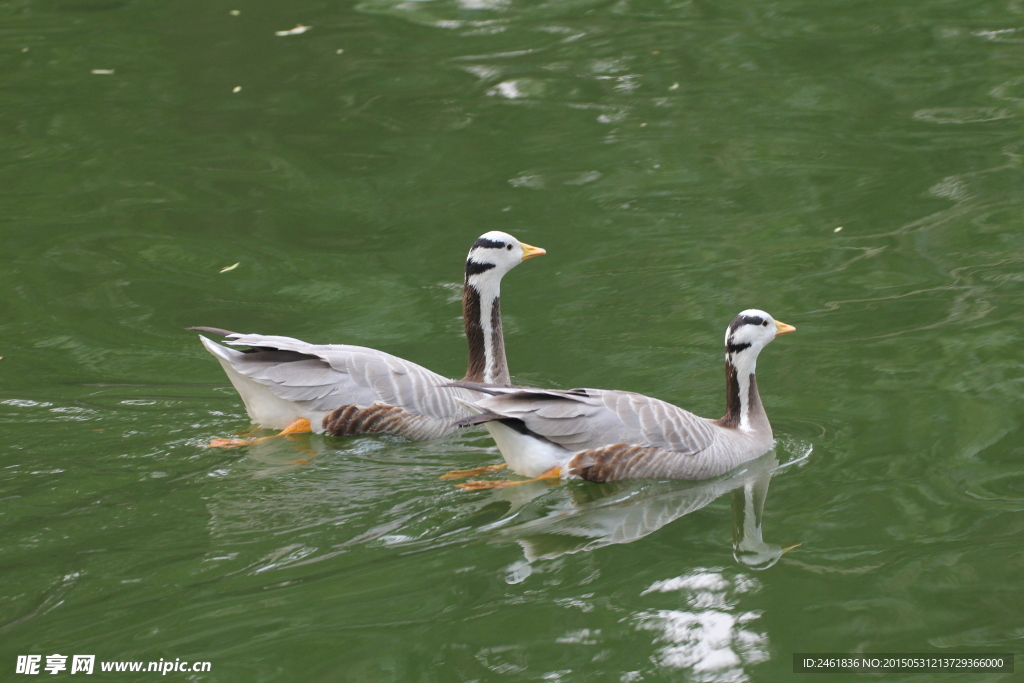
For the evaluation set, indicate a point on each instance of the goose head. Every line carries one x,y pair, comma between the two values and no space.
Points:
493,254
748,333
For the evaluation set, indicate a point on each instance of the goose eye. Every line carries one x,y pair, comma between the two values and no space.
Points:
509,247
764,324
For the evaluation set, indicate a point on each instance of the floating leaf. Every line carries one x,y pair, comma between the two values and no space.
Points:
232,267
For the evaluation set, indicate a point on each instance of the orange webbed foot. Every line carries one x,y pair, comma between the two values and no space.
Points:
300,426
553,473
462,474
229,443
485,485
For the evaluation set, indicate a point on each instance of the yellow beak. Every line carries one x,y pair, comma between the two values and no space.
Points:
783,328
530,252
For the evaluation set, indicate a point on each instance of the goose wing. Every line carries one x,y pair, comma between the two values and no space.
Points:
325,376
584,419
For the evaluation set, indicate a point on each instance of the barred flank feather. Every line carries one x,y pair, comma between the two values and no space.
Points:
610,463
378,418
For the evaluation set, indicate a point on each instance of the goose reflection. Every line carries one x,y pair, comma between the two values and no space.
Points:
747,511
622,512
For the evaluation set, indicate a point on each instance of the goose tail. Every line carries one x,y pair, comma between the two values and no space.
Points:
479,416
213,330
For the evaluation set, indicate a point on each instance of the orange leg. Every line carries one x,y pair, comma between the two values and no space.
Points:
300,426
553,473
461,474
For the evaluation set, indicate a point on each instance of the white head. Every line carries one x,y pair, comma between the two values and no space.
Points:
493,254
748,333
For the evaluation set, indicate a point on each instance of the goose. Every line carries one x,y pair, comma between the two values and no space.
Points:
602,435
339,389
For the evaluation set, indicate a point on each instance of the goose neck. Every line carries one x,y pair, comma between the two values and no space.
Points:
481,312
743,409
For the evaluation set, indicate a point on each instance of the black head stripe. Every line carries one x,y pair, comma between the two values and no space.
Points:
736,348
475,267
742,320
484,243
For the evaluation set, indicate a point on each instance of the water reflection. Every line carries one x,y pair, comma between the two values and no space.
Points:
701,619
711,637
622,512
318,503
342,484
747,511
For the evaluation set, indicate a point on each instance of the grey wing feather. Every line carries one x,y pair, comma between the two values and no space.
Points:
329,375
591,418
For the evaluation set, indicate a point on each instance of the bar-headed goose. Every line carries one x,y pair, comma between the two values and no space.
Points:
343,390
602,435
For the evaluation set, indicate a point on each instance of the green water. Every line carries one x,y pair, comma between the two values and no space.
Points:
680,161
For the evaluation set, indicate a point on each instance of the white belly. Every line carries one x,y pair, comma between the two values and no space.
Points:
267,409
527,455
